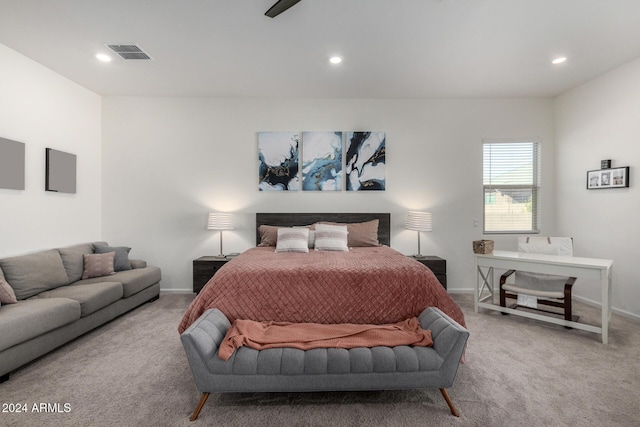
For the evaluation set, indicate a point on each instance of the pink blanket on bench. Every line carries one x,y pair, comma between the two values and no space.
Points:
305,336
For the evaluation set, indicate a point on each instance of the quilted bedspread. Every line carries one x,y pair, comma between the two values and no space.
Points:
371,285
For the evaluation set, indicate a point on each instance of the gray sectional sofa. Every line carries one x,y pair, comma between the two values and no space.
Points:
55,305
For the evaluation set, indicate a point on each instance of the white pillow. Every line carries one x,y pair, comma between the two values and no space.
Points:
292,239
331,238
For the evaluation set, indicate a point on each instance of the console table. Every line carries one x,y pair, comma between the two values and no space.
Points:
589,268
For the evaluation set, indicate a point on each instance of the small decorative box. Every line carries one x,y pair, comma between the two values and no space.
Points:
483,246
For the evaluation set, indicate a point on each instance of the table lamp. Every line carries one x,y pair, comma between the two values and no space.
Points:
220,221
418,221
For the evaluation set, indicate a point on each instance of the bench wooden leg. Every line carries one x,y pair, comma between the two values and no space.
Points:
454,412
203,400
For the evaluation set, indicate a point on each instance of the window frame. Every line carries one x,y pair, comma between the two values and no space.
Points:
535,187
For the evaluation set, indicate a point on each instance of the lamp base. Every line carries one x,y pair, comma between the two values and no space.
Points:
221,256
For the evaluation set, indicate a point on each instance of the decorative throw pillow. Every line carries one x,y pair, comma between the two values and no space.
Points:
268,235
331,238
293,239
361,234
121,261
98,265
7,296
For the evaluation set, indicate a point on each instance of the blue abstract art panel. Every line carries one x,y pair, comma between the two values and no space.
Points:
322,161
365,161
278,161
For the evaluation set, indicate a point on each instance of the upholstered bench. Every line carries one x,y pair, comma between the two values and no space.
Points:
323,369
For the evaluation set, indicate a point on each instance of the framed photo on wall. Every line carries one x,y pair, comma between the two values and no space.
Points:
608,178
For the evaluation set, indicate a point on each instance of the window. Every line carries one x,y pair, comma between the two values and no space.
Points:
511,181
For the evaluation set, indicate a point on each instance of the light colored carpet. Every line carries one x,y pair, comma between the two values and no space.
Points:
519,372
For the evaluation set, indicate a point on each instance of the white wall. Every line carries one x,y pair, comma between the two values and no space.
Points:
42,109
167,162
600,120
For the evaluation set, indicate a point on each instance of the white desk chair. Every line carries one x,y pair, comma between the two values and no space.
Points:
545,289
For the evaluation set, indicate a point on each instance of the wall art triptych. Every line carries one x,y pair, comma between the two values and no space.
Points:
323,166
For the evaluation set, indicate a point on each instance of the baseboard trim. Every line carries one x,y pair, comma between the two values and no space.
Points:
618,311
176,291
623,313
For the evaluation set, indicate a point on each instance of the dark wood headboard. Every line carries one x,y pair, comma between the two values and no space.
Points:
289,219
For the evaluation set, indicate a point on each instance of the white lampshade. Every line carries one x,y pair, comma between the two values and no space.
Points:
220,221
419,221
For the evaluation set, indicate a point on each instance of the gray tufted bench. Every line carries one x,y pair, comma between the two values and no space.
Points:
324,369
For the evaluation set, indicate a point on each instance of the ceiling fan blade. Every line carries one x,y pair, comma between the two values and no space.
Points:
279,7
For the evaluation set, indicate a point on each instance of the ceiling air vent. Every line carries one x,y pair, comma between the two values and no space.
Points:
129,51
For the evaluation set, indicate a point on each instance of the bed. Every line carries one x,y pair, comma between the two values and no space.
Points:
368,284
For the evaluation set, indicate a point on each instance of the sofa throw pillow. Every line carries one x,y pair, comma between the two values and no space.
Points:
293,239
7,296
98,265
121,261
331,238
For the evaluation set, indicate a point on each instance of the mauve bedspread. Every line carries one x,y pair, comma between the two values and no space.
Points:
373,285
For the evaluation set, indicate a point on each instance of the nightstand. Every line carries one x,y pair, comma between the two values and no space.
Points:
435,264
204,268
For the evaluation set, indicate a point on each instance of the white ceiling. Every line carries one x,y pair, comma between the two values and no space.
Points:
391,48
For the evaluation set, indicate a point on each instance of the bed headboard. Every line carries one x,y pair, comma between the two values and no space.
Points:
296,219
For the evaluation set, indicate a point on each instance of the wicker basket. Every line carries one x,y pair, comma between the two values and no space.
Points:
483,246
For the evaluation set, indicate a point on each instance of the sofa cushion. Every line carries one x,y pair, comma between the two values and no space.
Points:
31,274
91,297
73,261
33,317
121,261
133,281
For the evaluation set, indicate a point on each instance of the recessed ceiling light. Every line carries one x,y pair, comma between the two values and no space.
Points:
103,57
559,60
335,59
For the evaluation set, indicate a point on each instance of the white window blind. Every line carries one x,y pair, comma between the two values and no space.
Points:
511,181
